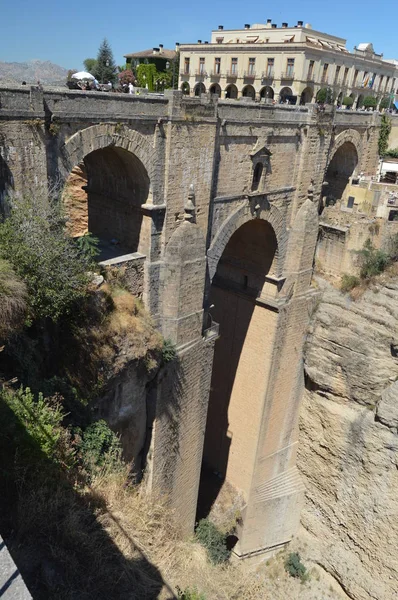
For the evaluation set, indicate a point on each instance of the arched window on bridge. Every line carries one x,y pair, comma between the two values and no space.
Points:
261,166
340,170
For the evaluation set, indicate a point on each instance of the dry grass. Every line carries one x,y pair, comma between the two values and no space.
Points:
13,298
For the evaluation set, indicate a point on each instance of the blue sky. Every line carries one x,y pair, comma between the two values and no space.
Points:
67,32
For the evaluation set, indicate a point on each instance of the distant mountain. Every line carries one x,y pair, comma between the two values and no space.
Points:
32,71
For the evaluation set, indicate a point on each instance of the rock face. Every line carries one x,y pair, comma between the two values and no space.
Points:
75,201
348,451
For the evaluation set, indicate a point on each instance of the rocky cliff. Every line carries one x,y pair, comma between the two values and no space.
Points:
348,448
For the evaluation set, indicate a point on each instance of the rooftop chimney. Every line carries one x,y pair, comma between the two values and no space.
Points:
284,25
199,41
247,26
206,42
273,26
155,50
160,48
221,27
300,23
177,46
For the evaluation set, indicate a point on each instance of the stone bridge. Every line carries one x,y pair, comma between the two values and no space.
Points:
218,204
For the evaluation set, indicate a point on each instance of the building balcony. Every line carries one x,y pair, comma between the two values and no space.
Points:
215,74
231,76
200,75
249,75
185,74
288,75
267,76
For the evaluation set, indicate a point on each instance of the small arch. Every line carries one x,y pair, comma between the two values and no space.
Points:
257,174
249,92
215,90
340,169
284,93
199,89
306,95
267,92
185,88
231,91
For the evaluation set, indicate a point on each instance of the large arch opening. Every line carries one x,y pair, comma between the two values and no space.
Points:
103,195
231,91
285,94
340,169
185,88
242,283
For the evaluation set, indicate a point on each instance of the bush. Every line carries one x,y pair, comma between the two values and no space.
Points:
213,540
385,102
169,351
99,448
325,96
384,134
393,153
348,282
372,261
348,101
189,594
54,269
295,567
370,102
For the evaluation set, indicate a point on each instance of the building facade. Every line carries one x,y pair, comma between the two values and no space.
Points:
270,63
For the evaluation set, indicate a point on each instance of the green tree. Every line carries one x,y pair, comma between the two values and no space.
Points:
385,102
90,64
105,67
348,101
325,96
370,102
53,267
384,134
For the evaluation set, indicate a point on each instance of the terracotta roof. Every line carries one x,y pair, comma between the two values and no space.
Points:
165,53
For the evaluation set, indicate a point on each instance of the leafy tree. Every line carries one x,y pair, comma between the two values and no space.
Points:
348,101
370,102
105,67
146,76
126,77
385,102
384,133
34,241
372,261
90,64
325,96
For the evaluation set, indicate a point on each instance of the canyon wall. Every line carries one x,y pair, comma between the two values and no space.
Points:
348,447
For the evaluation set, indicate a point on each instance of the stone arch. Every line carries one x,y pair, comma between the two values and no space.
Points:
306,95
284,93
249,92
185,88
267,92
348,135
340,169
199,89
105,135
215,89
231,91
109,180
243,215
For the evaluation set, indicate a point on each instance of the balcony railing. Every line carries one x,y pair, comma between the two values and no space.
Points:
268,75
215,74
200,74
231,75
249,75
185,73
287,75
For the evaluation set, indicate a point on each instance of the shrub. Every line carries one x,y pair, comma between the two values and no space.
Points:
370,102
372,261
169,351
213,540
325,96
384,134
348,101
393,153
34,241
348,282
295,567
99,448
189,594
88,246
385,102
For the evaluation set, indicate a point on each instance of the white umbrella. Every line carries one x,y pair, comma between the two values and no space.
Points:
83,75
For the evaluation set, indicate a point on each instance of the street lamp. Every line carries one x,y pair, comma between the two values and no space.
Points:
167,68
